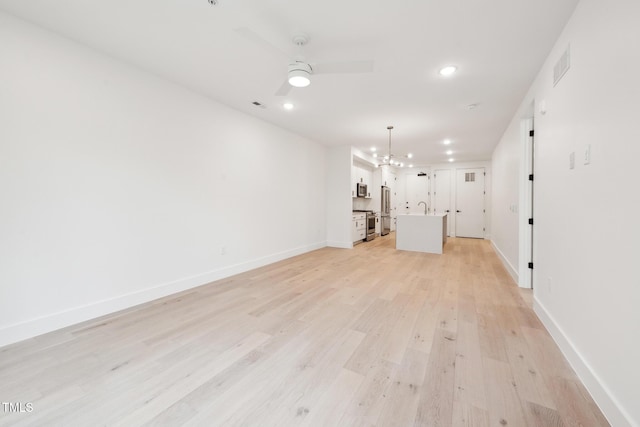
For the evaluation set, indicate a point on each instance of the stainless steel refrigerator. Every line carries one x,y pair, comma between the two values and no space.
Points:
385,211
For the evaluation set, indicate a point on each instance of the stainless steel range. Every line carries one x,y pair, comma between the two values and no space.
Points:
371,226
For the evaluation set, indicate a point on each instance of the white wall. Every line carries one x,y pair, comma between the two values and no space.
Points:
338,177
118,187
586,282
506,189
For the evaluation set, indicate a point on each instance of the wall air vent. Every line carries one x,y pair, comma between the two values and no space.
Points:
470,177
562,66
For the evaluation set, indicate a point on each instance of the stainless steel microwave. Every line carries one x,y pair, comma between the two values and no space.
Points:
362,190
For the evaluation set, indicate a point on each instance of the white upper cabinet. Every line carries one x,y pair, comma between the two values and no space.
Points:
386,178
361,174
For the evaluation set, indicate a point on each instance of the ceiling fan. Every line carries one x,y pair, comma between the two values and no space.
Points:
299,71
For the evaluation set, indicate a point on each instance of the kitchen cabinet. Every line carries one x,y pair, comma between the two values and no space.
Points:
359,227
422,233
386,178
354,179
361,174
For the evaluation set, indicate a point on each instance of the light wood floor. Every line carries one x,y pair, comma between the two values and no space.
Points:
362,337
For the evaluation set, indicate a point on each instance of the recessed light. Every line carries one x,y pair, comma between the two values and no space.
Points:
451,160
448,70
446,142
410,166
409,155
449,152
401,165
375,154
288,106
373,149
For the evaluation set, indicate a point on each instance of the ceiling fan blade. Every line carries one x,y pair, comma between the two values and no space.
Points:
348,67
263,43
284,89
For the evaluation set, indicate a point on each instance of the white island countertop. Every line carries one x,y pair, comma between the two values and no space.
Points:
421,233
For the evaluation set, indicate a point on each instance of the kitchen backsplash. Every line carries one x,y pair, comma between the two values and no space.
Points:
364,204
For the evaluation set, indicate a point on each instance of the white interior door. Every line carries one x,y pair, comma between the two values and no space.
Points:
417,190
442,194
470,203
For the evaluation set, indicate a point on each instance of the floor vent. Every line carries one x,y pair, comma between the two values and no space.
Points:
562,66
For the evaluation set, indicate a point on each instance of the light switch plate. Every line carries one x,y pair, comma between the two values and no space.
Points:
572,160
587,154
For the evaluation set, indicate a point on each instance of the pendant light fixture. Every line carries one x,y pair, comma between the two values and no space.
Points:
388,158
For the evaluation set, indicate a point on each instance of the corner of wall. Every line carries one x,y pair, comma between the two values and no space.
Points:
601,394
513,272
49,323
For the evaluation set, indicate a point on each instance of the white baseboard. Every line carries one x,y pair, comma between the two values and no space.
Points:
606,401
41,325
337,244
512,271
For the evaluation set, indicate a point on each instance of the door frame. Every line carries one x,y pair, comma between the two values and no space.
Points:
526,236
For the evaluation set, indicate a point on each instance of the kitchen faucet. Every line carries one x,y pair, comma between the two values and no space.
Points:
425,207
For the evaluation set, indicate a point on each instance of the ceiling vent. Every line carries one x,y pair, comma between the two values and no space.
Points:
562,66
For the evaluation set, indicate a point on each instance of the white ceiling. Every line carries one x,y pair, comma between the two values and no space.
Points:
497,45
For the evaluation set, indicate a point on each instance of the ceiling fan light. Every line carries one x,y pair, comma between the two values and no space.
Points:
299,79
299,74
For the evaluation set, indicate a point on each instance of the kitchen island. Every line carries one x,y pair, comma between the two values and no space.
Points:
421,233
